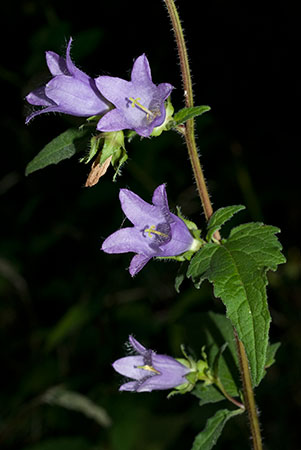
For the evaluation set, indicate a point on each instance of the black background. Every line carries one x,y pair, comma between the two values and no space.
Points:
245,65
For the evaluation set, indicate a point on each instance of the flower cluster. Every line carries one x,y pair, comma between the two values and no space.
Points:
136,105
149,370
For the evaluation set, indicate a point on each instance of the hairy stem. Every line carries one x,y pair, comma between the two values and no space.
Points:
188,94
248,394
208,210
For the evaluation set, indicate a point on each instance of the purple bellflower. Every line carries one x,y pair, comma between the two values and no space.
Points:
156,231
70,91
149,370
139,102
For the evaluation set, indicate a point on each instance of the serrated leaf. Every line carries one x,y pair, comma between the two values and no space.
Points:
62,147
237,268
213,429
189,113
60,396
220,217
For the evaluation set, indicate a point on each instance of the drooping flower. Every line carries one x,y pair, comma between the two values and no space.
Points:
70,91
156,231
149,370
139,102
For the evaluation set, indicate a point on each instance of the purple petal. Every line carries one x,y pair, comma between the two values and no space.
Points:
137,346
164,90
72,69
139,212
112,121
127,240
127,366
74,97
172,374
159,196
39,98
141,73
42,111
130,386
181,240
56,64
137,263
114,89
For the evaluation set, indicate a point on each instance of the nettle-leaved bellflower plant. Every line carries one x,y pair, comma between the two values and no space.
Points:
156,231
139,103
70,91
149,370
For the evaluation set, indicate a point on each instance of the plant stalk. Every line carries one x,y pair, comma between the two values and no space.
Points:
248,394
208,210
188,95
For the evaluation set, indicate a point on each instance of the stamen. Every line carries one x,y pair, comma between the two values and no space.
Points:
150,115
149,368
153,230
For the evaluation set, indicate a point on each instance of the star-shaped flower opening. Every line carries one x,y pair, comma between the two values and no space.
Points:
139,103
156,231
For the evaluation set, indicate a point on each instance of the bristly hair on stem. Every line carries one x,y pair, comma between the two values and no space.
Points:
188,96
207,206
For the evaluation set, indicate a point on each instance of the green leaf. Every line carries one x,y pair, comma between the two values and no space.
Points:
207,394
213,429
181,275
271,353
237,268
217,334
189,113
221,216
60,396
62,147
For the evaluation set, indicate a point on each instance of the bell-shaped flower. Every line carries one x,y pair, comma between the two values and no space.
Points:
150,371
156,231
139,103
70,91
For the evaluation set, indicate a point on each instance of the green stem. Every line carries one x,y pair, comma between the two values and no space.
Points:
188,94
208,210
248,394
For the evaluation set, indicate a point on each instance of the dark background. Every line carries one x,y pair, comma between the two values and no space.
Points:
66,308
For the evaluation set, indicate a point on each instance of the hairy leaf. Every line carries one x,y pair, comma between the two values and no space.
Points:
213,429
237,268
189,113
62,147
221,216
